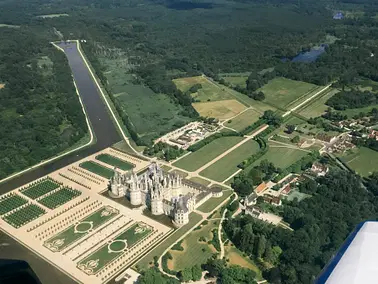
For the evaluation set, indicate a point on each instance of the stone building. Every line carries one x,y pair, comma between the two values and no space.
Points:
161,192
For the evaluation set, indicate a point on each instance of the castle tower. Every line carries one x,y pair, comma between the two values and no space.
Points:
181,211
157,200
134,189
115,184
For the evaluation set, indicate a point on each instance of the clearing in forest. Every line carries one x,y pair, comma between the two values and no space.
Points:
209,91
2,86
236,79
9,26
49,16
207,153
227,165
220,109
236,257
363,160
243,120
285,93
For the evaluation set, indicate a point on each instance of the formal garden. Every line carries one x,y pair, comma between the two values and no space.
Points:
59,197
10,203
40,188
97,169
115,162
24,215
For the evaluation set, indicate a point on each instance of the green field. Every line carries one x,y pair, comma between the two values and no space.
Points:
115,162
317,107
97,169
355,111
110,251
207,153
195,252
280,156
145,262
226,166
259,106
59,197
40,188
81,229
10,203
235,79
200,181
150,113
213,202
243,120
25,215
209,91
362,160
284,93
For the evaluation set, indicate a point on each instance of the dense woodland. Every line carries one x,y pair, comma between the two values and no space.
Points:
321,223
40,112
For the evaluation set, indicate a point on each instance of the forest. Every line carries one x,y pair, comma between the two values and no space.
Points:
40,112
321,224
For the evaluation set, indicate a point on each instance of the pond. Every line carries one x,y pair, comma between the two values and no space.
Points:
308,56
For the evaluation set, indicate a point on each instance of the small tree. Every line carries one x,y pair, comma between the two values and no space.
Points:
296,139
290,128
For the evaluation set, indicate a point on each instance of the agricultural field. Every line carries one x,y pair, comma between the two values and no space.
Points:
317,107
118,246
152,114
213,202
195,251
59,197
147,260
209,91
243,120
10,203
115,162
363,160
24,215
281,156
259,106
81,229
40,188
285,93
207,153
97,169
219,109
236,79
227,166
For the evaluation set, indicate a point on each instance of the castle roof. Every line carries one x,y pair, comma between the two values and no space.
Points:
181,204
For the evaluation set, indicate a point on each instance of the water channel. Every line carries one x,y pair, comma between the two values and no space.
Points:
102,124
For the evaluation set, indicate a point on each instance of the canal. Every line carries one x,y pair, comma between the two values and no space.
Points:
102,124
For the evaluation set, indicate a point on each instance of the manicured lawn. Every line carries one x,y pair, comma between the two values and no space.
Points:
195,252
144,263
115,162
97,169
207,153
226,166
200,181
71,235
224,109
243,120
280,156
317,107
209,91
40,188
113,250
362,160
284,92
213,202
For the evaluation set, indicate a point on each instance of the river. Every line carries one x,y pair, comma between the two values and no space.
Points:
102,124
